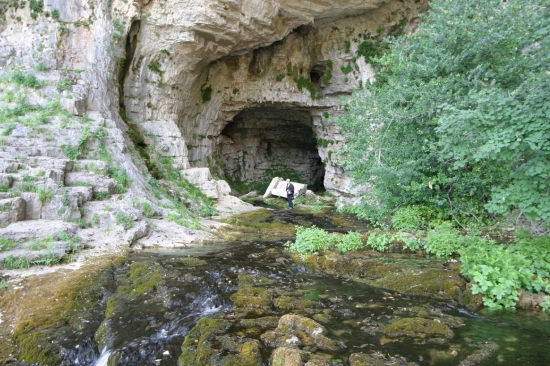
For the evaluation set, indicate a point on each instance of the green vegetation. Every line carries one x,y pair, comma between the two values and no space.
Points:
64,85
45,195
76,152
313,240
280,77
499,270
55,14
328,74
466,98
154,66
304,83
22,78
36,6
124,219
118,25
346,69
371,48
187,202
120,175
6,244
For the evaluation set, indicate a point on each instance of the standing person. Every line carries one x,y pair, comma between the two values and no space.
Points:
289,193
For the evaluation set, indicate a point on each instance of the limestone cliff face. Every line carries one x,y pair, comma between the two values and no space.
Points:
247,88
197,65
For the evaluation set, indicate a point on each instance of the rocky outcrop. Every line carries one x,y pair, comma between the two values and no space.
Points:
248,83
108,105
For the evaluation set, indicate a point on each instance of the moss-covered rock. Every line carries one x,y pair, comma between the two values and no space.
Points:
140,279
377,359
206,344
197,348
69,309
292,303
396,272
298,330
287,356
263,322
486,350
418,328
252,297
193,262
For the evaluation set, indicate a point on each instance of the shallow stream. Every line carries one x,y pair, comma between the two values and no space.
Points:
251,286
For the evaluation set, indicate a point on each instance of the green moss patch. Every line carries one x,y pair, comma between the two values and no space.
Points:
418,328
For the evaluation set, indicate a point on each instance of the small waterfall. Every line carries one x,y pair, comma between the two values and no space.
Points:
103,358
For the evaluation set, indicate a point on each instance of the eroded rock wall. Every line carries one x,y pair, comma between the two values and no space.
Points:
197,65
179,72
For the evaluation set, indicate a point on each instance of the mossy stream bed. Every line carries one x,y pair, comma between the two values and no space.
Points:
250,302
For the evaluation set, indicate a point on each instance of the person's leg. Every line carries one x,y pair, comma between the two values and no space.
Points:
290,204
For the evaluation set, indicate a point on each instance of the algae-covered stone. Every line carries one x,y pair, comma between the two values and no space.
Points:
286,356
423,277
297,330
486,350
193,262
377,359
322,318
281,337
254,280
418,328
197,347
248,354
252,297
206,344
318,360
292,303
263,322
433,313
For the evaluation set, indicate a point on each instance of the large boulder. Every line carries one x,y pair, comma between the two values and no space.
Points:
277,187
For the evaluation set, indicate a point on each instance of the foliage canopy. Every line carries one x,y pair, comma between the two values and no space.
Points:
457,123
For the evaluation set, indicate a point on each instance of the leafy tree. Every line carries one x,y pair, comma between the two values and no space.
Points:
457,123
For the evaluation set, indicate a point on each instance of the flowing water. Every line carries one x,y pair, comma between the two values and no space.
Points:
149,329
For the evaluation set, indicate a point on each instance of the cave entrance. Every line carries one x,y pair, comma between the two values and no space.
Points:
266,142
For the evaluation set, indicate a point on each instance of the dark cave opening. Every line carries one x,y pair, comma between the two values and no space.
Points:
266,142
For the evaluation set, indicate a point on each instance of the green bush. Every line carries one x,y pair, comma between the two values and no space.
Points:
407,219
147,209
303,83
485,149
21,78
55,14
45,195
124,219
350,242
379,241
120,175
27,187
36,5
444,240
6,244
311,240
11,262
496,272
346,69
101,195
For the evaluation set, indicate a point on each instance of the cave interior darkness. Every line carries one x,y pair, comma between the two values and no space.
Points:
261,143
